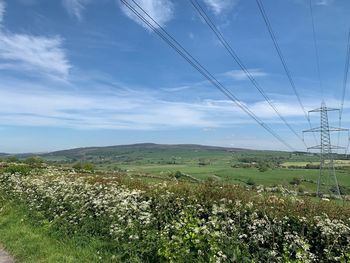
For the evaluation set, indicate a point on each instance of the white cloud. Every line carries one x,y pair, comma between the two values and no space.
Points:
32,104
241,75
75,7
161,11
2,10
324,2
40,54
49,108
218,6
34,53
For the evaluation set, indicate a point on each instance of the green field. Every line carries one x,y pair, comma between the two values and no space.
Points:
155,162
225,173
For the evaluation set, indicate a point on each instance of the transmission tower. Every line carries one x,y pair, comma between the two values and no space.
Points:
327,183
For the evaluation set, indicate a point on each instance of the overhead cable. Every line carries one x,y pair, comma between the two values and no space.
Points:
283,61
161,32
236,58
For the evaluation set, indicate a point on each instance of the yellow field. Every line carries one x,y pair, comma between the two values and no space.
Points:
303,164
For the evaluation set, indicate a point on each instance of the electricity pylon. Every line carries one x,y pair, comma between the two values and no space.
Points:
327,183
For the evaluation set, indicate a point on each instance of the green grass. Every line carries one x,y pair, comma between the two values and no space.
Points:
28,241
338,163
227,174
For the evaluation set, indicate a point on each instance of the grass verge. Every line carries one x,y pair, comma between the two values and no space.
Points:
30,241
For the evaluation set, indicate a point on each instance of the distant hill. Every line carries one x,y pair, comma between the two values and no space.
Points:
143,146
134,152
149,153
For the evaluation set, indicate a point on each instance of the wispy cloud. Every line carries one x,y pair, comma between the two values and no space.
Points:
324,2
34,53
75,7
218,6
36,105
83,111
2,10
161,11
241,75
40,54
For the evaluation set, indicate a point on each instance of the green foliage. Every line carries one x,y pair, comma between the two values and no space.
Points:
344,190
312,166
18,169
12,159
178,222
301,189
296,181
34,161
84,167
251,182
178,174
263,167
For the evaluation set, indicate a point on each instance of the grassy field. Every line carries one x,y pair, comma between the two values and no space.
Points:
227,174
29,240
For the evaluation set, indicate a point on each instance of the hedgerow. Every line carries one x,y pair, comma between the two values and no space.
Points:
177,222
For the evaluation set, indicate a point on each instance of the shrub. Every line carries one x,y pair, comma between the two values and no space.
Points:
34,161
263,167
18,169
175,223
312,166
301,189
251,182
84,166
296,181
12,159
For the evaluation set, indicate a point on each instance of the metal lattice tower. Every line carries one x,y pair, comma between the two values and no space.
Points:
327,183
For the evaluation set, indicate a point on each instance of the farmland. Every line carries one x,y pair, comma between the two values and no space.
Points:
226,165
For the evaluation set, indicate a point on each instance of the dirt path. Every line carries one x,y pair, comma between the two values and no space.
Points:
4,257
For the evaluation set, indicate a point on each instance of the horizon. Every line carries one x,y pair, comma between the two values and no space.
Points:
76,73
136,144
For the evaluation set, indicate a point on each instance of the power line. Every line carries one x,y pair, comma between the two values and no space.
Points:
283,61
161,32
345,80
316,47
233,54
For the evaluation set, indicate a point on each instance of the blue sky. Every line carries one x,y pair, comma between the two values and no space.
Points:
79,73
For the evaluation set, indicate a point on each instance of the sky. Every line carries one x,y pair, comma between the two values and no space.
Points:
77,73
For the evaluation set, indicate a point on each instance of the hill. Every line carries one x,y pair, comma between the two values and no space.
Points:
134,152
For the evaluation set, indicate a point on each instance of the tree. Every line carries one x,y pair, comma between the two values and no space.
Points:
295,181
251,182
34,161
263,167
84,166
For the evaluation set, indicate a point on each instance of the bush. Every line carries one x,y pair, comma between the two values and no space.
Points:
12,159
18,169
84,166
312,166
301,190
34,161
251,182
263,167
180,223
296,181
344,190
